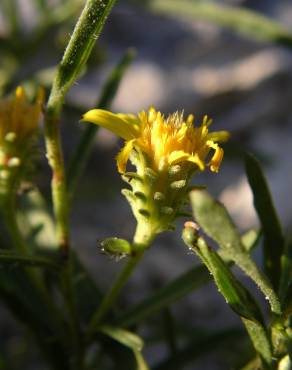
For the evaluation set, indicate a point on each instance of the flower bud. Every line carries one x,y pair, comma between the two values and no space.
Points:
18,127
116,247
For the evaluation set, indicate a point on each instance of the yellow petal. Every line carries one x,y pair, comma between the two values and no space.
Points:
177,156
123,156
220,136
180,156
121,125
196,159
217,157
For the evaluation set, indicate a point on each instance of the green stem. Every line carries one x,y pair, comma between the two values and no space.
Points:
86,31
111,296
141,242
56,162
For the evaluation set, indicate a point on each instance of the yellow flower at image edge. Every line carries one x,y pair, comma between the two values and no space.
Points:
18,124
166,152
166,141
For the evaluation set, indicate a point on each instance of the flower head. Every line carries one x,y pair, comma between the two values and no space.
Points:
165,140
166,152
18,124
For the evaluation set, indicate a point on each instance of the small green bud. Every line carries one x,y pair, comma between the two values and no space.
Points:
190,234
178,184
116,247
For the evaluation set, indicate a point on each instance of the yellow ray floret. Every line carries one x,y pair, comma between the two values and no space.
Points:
165,140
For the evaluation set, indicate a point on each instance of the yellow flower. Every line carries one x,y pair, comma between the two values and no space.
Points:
18,124
165,140
166,151
18,115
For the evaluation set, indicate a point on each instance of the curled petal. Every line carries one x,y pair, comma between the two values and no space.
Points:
217,157
123,156
122,125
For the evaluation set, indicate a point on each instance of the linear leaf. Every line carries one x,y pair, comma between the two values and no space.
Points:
217,224
241,20
176,289
285,288
141,363
85,34
235,294
272,230
259,339
123,336
128,339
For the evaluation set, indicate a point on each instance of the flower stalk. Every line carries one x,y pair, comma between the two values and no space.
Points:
141,242
75,57
112,294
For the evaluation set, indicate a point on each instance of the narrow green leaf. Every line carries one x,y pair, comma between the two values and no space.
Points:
16,260
235,294
272,231
128,339
241,20
178,288
259,339
216,222
84,147
141,363
285,288
85,34
123,336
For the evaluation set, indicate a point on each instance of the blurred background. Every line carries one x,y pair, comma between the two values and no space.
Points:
183,62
